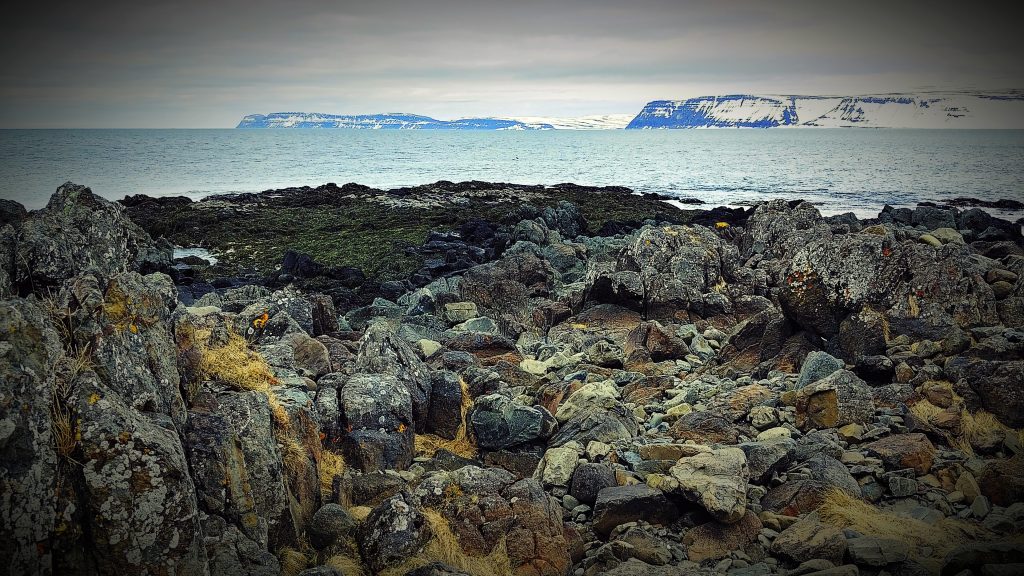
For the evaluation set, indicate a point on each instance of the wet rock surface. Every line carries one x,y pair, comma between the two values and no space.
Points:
779,394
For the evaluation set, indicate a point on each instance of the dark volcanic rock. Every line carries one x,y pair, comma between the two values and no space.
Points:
620,504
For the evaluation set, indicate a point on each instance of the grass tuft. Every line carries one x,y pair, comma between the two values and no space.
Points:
347,565
332,464
292,561
234,364
444,547
928,542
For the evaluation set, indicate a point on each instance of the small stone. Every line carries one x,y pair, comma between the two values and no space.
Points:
981,507
902,487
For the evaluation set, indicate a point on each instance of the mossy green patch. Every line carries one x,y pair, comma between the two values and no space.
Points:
365,228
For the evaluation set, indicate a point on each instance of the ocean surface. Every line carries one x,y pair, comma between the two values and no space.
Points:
840,170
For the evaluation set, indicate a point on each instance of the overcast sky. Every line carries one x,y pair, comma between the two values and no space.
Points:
208,63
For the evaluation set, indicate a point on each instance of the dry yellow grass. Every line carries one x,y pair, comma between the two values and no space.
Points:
234,364
292,561
293,454
331,464
928,542
982,429
444,547
347,565
428,444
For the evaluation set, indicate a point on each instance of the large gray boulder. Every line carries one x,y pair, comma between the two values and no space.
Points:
381,351
715,478
77,232
500,422
377,412
29,348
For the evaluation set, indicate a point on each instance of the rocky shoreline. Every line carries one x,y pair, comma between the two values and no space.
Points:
482,378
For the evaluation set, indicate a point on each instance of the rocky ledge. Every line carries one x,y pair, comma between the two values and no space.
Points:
766,392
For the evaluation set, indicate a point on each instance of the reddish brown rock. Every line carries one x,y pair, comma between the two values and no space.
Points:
715,540
904,451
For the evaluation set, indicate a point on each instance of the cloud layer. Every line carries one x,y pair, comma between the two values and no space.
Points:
205,64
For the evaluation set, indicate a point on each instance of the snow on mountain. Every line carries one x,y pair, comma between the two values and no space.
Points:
923,110
593,122
391,121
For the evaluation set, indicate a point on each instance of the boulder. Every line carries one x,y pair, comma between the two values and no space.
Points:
393,532
620,504
377,411
330,524
444,417
836,400
381,351
809,539
29,349
499,422
596,424
715,478
588,479
816,366
900,451
714,540
1002,481
994,385
78,231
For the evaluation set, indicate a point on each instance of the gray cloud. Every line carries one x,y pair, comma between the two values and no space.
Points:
208,63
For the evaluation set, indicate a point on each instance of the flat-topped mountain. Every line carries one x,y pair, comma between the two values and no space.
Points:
389,121
924,110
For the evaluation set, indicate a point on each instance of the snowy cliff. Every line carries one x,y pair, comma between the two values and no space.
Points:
924,110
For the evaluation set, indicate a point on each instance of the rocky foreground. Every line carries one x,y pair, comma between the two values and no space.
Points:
772,393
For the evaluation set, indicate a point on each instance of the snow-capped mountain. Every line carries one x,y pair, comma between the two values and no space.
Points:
393,121
923,110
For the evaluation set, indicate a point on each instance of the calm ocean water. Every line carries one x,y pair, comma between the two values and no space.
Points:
840,170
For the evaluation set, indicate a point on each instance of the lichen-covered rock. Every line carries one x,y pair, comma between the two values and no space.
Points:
663,270
394,531
500,422
485,505
29,348
381,351
597,424
234,532
249,415
809,539
904,451
126,325
377,412
993,385
141,499
78,231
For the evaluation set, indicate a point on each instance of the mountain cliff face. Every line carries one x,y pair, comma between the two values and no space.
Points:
390,121
926,110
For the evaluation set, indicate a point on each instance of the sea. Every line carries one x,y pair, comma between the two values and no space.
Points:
839,170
